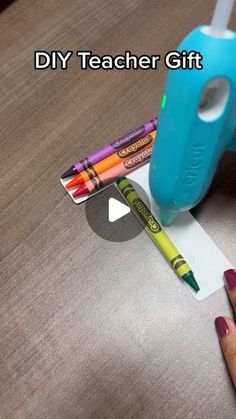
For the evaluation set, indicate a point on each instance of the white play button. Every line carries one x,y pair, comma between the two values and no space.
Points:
110,217
116,210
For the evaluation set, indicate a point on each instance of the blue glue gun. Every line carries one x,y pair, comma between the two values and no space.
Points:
197,120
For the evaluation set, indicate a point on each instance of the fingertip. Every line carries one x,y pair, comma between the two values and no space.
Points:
231,325
226,330
225,326
221,326
230,279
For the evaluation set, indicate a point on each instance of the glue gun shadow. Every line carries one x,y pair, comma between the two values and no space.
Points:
221,197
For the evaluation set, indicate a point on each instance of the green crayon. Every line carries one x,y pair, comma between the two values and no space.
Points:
157,234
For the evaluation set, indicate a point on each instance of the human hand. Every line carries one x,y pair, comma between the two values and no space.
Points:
226,328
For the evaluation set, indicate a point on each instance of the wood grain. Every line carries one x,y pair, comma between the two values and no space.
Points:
86,330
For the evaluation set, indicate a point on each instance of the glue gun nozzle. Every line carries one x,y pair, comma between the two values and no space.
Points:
167,216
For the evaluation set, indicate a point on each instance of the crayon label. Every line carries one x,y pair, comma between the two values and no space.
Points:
178,261
133,148
139,159
85,163
146,216
97,182
127,139
91,172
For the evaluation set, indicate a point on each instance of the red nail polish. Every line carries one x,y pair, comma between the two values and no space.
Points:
230,278
221,326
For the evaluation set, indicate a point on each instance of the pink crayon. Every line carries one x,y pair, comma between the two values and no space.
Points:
109,176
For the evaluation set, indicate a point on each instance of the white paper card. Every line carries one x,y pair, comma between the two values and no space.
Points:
205,258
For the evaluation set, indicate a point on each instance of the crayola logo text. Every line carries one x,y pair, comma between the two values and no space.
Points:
146,216
137,160
133,148
126,139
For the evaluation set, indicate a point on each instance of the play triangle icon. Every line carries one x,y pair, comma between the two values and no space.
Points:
116,210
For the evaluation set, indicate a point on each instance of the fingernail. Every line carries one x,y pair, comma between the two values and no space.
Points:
221,326
230,278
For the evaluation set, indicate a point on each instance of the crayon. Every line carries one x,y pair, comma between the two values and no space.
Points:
109,149
121,169
112,161
157,234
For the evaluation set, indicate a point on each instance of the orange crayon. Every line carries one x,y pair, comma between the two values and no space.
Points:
112,160
110,175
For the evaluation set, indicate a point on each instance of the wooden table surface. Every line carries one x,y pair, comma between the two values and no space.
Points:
86,330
